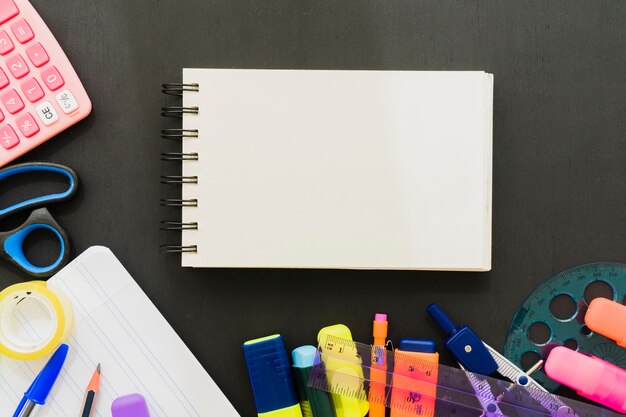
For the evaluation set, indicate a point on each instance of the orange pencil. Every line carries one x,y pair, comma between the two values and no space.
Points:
90,396
378,373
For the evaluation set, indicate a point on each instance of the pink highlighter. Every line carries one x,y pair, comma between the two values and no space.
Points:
591,377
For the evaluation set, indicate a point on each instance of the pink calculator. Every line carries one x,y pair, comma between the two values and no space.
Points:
40,93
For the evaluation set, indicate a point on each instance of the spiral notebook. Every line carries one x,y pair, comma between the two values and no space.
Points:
333,169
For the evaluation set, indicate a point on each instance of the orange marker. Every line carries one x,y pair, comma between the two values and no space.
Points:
414,380
379,367
90,396
607,318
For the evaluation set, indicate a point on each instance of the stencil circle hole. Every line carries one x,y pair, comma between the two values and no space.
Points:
539,333
529,359
563,307
598,289
585,331
571,344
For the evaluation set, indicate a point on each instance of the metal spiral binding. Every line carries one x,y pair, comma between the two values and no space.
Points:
178,179
178,111
179,202
179,156
169,225
177,89
179,134
178,249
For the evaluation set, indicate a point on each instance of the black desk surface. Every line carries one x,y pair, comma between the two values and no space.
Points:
559,153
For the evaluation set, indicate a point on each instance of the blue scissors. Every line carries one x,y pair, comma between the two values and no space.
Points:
11,242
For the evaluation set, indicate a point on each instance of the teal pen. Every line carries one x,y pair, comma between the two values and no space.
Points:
39,390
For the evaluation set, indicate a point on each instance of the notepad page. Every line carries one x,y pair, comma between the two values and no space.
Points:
117,326
339,169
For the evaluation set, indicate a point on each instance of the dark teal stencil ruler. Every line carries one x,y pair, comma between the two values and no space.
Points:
554,314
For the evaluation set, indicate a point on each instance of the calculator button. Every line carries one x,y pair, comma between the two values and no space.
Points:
47,113
8,138
22,31
37,55
66,101
8,9
12,101
32,90
6,44
4,80
17,66
1,116
52,78
27,125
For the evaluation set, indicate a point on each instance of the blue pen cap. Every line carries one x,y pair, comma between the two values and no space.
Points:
270,373
410,344
43,383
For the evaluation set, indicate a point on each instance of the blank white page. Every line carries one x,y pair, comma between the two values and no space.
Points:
339,169
117,326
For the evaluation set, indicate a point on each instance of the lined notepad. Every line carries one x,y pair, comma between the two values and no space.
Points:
339,169
118,326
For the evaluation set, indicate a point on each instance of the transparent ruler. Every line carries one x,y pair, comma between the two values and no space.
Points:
355,374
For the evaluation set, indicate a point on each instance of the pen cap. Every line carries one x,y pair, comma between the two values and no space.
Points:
270,373
608,318
43,383
591,377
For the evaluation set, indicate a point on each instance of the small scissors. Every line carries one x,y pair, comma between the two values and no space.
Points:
11,242
477,357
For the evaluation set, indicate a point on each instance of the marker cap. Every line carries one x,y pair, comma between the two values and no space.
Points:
270,374
607,318
410,344
591,377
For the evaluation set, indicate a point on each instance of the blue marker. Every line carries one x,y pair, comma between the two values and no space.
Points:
39,390
271,378
464,344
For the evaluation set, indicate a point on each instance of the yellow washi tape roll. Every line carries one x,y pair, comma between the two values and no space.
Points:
34,319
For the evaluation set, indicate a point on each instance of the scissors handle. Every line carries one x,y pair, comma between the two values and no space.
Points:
43,200
12,244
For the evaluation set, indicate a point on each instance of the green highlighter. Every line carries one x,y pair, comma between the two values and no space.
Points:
314,403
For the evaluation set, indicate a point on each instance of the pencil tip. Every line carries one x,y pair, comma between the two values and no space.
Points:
98,368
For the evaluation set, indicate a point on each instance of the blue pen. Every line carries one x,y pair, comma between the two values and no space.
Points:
39,390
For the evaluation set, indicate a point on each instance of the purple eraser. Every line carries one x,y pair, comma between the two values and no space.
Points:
132,405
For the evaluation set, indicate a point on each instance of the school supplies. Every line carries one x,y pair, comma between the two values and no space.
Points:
35,338
407,379
90,395
313,403
458,393
40,92
379,367
591,377
607,318
132,405
345,406
332,169
270,376
116,324
476,356
11,242
554,315
39,390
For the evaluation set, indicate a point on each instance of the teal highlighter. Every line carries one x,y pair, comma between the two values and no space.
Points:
271,377
314,403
